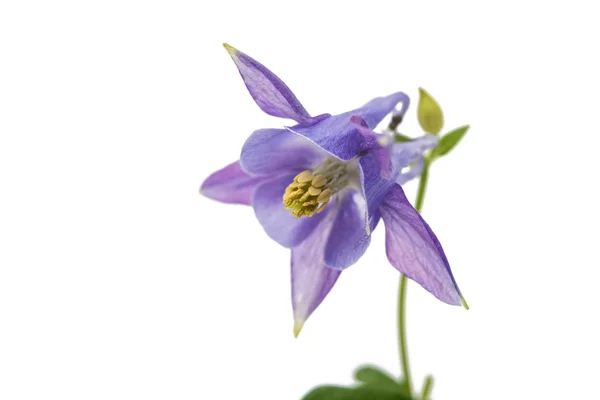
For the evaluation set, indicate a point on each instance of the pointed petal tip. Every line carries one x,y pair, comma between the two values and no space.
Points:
205,187
298,327
204,192
464,303
230,49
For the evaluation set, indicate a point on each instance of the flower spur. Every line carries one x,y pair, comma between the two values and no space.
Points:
321,186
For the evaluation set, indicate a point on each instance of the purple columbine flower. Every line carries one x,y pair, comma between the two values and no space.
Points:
321,186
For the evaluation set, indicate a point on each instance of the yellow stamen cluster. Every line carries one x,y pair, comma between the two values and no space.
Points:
307,194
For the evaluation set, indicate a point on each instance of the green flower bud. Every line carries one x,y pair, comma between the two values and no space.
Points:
429,113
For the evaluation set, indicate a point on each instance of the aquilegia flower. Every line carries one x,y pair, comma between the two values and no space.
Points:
320,188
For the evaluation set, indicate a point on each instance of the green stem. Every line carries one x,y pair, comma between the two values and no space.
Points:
422,185
402,290
427,387
402,334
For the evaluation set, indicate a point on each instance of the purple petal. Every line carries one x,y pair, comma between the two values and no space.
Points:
379,145
267,90
407,153
414,250
277,151
311,278
231,185
376,184
349,238
374,187
279,224
369,136
338,135
398,115
414,171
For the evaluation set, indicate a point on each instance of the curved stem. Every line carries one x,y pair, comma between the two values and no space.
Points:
402,289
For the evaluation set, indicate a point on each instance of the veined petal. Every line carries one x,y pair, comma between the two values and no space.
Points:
311,278
371,140
231,185
379,145
337,134
268,91
374,187
407,153
279,224
415,170
376,110
348,239
376,184
277,151
414,250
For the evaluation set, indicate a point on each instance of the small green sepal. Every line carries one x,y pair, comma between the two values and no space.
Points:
400,138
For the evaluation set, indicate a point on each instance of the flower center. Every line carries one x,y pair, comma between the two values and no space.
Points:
310,191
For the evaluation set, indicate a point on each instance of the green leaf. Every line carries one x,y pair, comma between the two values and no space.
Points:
449,141
405,387
371,375
429,113
357,393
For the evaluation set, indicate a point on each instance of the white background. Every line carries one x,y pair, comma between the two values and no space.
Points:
119,281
